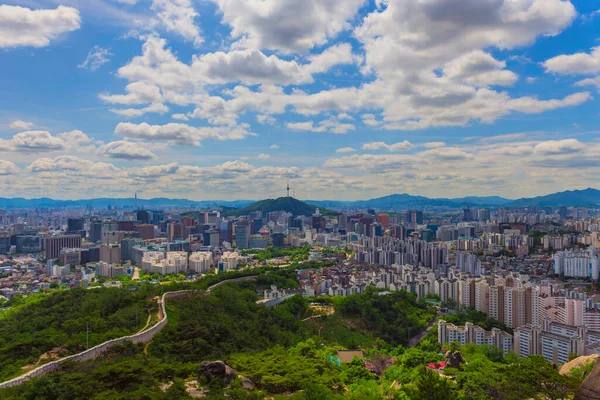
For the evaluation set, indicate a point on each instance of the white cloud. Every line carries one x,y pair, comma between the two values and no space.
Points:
578,63
126,150
178,16
287,25
589,82
157,108
370,120
22,125
138,93
395,147
345,150
33,141
20,26
555,147
531,105
265,119
264,156
180,117
8,168
179,133
96,58
478,68
274,147
331,125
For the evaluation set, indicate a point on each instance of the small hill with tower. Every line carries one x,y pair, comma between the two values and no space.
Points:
287,204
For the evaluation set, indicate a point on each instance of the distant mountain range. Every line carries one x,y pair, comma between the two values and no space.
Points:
572,198
118,202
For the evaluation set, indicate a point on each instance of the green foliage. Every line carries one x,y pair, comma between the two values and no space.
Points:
393,317
37,325
288,204
476,317
297,254
273,347
226,322
277,370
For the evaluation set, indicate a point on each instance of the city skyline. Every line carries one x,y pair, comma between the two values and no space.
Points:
228,99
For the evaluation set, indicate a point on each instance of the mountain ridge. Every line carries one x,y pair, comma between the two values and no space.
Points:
589,197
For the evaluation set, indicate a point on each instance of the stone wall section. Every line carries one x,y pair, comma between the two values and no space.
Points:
96,351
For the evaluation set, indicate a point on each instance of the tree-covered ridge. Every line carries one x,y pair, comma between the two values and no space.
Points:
287,204
59,322
393,317
290,357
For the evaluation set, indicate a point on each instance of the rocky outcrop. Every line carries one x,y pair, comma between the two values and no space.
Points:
247,383
216,370
590,388
578,363
223,372
454,360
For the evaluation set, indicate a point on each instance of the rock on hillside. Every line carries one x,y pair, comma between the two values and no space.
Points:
578,362
590,388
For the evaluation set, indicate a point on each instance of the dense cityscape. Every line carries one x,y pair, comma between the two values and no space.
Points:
534,269
299,200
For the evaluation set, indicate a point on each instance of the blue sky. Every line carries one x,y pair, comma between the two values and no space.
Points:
228,99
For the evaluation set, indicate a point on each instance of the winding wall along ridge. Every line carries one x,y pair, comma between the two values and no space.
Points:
142,337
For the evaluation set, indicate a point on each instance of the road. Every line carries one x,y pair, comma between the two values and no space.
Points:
415,340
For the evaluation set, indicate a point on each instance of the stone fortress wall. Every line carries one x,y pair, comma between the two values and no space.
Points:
96,351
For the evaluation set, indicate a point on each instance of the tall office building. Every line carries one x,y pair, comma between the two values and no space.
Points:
562,212
467,214
242,234
95,231
74,224
53,244
483,215
146,231
110,253
174,231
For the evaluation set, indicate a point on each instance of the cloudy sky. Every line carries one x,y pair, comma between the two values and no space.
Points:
353,99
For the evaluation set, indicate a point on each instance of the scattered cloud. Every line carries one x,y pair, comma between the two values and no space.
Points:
96,58
180,117
345,150
578,63
263,156
178,16
20,26
126,151
395,147
22,125
157,108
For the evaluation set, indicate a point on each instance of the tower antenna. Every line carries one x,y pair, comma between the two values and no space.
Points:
288,188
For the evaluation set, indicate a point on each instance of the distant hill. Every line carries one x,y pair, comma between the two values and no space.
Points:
287,204
403,200
117,202
574,198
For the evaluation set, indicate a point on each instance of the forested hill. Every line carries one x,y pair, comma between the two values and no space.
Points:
288,352
287,204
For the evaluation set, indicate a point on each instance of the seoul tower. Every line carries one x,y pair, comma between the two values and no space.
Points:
288,188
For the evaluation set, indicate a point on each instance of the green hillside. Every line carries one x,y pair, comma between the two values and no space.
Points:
287,204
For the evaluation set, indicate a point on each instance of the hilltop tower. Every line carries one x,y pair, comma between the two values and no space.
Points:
288,188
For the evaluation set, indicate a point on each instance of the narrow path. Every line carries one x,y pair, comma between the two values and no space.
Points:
415,340
147,321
